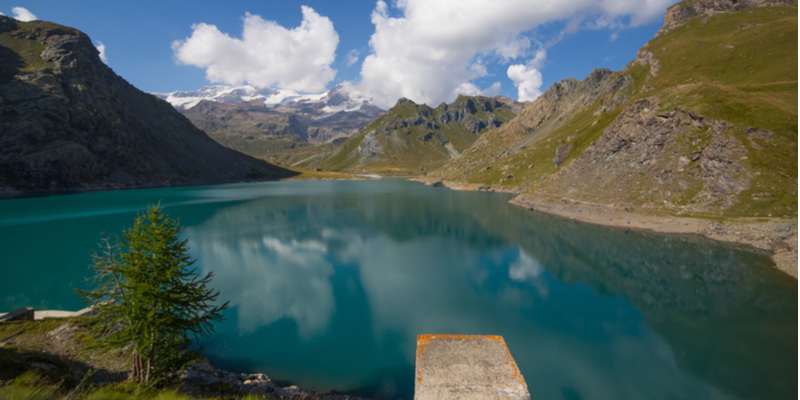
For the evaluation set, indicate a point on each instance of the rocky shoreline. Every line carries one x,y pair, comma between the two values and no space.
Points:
55,345
203,375
774,236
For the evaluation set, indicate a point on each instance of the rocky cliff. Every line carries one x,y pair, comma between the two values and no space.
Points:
685,11
68,122
412,137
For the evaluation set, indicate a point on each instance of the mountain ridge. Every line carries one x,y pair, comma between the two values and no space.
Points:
272,124
69,123
702,124
412,137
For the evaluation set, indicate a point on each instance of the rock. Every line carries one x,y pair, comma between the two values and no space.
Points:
45,366
62,333
437,184
561,154
784,227
78,126
203,366
369,146
647,142
24,313
681,13
402,101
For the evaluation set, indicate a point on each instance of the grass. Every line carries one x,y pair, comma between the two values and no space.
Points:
307,174
403,151
28,52
32,385
35,366
740,67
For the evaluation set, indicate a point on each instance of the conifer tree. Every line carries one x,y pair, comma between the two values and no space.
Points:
151,298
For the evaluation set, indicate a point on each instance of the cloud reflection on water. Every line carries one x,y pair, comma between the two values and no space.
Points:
270,279
423,269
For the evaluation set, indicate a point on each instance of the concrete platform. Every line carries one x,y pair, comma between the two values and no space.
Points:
466,367
24,313
30,313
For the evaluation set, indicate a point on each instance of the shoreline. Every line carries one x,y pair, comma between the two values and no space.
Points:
775,236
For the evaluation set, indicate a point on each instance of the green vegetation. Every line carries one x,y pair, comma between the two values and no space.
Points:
33,385
412,138
739,67
151,299
28,52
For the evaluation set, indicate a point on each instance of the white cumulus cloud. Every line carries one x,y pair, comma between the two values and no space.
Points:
431,50
528,81
22,14
102,49
267,55
527,77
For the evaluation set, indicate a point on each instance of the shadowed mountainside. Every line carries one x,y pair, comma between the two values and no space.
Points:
69,123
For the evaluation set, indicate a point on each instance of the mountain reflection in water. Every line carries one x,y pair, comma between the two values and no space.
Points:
330,290
330,282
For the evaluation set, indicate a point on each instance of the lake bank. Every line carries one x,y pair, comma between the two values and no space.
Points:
776,236
331,282
62,352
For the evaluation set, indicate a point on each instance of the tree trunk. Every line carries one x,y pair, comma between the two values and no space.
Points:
150,357
136,368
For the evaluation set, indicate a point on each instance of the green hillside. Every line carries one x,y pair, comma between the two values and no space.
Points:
411,137
703,122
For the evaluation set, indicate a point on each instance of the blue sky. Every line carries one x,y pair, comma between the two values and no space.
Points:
426,50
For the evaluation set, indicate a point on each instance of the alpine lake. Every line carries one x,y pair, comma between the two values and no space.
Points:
330,282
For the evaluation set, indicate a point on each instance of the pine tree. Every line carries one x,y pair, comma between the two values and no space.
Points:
151,298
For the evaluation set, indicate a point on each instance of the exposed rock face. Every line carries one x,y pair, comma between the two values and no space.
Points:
678,148
70,123
560,102
196,378
369,146
645,57
264,131
419,134
561,154
682,12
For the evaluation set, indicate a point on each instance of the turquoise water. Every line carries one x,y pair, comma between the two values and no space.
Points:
330,282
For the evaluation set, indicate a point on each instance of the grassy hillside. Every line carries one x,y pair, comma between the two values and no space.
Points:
411,137
738,68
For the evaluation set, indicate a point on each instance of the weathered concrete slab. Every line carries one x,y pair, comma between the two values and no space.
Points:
23,313
466,367
30,313
39,315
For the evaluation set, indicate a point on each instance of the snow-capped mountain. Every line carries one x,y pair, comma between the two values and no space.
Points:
273,123
330,102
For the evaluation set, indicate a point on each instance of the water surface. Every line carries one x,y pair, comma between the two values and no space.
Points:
330,282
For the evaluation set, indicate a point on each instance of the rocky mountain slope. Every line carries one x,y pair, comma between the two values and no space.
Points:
274,124
702,122
68,122
412,137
